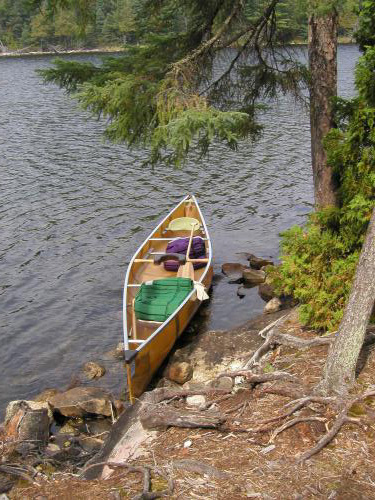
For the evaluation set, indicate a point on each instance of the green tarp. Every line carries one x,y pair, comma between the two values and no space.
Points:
157,301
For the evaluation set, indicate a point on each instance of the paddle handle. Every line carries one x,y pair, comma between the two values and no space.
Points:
190,242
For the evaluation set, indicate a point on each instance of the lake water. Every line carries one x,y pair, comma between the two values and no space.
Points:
74,209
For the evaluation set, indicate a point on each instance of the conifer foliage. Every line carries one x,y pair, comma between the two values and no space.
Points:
319,261
183,85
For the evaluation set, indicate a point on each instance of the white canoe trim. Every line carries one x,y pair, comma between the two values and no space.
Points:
162,326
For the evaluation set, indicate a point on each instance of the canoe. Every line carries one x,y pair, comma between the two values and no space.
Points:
148,342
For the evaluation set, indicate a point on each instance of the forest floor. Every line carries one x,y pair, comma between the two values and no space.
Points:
253,455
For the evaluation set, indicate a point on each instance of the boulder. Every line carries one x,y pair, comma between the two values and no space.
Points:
273,305
80,401
93,370
28,425
234,271
46,395
180,372
198,401
258,262
253,276
14,406
266,291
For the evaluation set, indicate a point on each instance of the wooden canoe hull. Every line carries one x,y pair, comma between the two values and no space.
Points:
157,349
152,342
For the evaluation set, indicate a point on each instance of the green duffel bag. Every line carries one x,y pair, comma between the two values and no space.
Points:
159,299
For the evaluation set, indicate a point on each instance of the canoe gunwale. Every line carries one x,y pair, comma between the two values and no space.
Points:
172,316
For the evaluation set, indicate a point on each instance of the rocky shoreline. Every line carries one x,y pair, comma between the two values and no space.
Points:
68,430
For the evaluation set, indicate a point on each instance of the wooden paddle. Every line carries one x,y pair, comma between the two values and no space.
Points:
187,270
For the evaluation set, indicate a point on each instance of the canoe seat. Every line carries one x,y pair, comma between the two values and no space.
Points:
183,224
157,300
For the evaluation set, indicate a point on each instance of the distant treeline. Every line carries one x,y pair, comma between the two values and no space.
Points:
27,23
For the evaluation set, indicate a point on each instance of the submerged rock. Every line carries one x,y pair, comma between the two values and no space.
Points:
244,290
253,276
80,401
46,395
273,305
180,372
93,370
258,262
234,271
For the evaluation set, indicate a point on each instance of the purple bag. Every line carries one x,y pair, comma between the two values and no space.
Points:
197,251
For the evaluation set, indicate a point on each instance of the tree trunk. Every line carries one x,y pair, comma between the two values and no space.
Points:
339,372
323,87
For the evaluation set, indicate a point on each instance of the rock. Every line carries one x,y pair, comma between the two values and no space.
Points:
234,271
266,291
52,448
119,352
68,428
98,426
28,425
90,444
180,372
80,401
272,306
46,395
198,401
222,383
14,406
93,370
253,276
258,262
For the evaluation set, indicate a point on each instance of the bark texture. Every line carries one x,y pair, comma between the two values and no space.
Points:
339,372
323,87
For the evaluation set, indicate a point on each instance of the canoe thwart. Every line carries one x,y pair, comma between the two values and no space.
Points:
181,259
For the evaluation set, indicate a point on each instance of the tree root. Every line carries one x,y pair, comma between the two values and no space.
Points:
274,337
293,422
259,379
339,422
163,394
146,494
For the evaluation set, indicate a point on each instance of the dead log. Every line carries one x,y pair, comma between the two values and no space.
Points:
164,393
162,417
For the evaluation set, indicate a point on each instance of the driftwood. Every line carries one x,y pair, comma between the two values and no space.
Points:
161,417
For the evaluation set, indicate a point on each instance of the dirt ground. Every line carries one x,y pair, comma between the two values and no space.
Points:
246,462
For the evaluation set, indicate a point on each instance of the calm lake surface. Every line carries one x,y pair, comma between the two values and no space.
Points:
74,209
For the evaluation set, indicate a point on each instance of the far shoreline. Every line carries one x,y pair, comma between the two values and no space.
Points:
114,50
